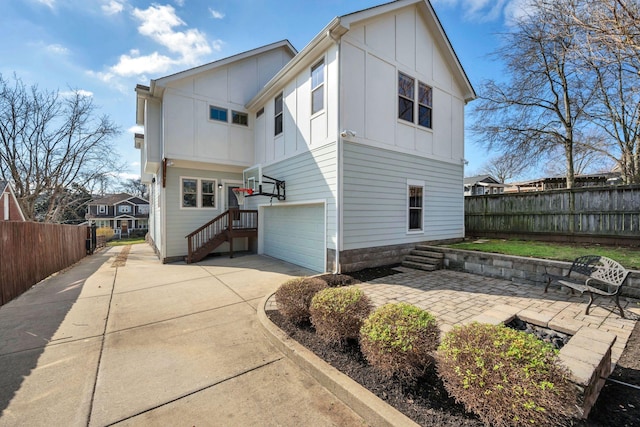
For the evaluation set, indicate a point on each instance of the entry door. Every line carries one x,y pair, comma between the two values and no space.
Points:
232,200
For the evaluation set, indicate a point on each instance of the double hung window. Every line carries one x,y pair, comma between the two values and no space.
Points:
415,198
277,121
317,87
407,89
198,193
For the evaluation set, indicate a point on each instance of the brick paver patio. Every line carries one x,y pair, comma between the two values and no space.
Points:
456,298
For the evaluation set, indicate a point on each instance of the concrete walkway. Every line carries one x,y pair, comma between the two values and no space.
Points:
120,339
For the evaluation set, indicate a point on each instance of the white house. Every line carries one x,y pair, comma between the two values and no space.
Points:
364,128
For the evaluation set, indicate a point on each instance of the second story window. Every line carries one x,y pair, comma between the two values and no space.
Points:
218,114
407,101
406,96
102,209
425,96
317,87
239,118
277,121
124,209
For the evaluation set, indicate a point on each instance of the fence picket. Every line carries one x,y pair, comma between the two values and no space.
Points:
31,251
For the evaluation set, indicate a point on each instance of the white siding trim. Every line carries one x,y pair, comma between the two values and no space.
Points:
415,183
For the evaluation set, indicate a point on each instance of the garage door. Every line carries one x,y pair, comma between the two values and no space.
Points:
296,234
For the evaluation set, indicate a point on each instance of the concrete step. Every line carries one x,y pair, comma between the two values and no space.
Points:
426,252
423,260
419,266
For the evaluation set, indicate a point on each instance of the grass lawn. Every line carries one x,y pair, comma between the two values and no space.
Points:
126,241
628,257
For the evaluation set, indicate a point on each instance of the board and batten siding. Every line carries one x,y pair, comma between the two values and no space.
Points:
375,197
181,221
373,53
302,131
189,133
309,177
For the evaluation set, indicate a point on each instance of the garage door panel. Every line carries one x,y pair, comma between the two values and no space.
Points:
296,234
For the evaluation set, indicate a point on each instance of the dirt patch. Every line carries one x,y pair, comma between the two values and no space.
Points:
428,403
121,259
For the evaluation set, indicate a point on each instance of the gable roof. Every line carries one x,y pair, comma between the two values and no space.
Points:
113,199
157,86
341,25
480,179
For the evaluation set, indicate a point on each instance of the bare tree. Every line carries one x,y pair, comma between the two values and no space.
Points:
49,144
505,167
542,104
135,187
611,54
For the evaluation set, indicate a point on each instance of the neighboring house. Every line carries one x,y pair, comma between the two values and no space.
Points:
482,185
560,181
122,212
10,209
365,127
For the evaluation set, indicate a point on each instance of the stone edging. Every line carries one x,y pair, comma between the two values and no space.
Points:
367,405
516,268
587,355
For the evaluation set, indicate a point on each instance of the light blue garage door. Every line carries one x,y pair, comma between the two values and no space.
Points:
296,234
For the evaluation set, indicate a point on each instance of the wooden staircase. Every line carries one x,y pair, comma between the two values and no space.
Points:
422,258
223,228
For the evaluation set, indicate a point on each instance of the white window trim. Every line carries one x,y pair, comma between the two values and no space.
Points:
321,86
217,108
237,124
416,102
199,193
102,209
121,210
276,114
415,183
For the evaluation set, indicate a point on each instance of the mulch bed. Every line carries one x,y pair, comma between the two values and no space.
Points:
428,403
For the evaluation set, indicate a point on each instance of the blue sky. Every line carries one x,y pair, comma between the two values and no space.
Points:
105,47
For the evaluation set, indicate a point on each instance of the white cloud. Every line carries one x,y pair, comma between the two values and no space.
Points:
517,10
80,92
158,23
57,49
179,2
216,14
113,7
480,10
127,175
136,129
132,65
48,3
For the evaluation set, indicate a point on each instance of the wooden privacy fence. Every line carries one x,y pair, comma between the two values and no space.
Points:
31,251
597,214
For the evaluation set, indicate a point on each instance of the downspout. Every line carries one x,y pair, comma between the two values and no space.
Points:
337,268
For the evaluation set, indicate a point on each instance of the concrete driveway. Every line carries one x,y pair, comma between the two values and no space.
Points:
120,339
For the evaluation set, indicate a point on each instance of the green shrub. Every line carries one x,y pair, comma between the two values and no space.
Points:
399,339
338,313
506,377
294,297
